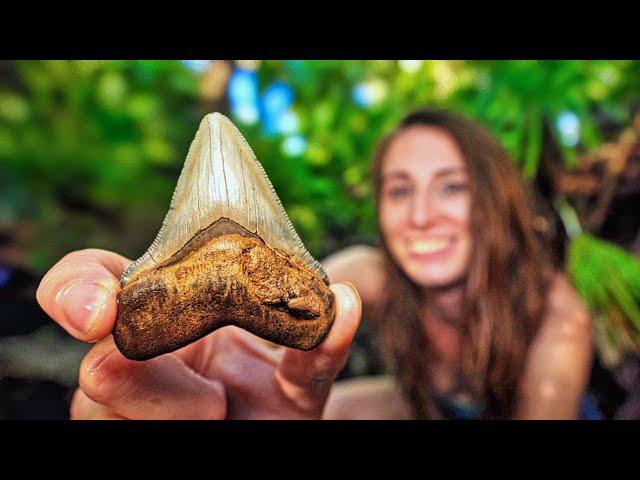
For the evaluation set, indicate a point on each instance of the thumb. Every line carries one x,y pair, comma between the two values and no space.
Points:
306,377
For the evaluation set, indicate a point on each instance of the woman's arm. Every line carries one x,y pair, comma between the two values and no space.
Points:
559,360
363,398
366,398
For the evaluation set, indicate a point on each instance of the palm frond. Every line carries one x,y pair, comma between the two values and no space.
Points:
608,279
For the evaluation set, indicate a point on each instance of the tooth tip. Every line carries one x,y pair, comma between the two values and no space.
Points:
218,124
215,118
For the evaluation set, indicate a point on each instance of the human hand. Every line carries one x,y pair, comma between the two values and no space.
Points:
230,373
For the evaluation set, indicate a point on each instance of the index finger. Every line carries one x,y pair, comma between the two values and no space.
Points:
79,292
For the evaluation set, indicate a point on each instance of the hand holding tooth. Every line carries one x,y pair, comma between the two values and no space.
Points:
227,374
225,255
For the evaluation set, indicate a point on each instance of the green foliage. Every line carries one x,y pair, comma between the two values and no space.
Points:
608,278
514,98
87,149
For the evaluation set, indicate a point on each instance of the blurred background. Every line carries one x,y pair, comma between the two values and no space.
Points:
90,152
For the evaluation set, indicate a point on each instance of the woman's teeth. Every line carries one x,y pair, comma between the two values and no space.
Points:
429,246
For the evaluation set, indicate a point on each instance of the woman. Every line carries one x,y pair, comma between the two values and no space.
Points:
468,306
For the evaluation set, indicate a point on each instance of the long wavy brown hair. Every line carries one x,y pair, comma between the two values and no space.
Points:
505,288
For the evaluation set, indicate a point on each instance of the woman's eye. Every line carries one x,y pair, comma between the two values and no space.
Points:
399,192
454,187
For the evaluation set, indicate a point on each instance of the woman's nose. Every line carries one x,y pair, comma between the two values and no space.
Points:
421,210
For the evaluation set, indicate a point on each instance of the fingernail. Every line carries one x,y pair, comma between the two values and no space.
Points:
350,298
82,303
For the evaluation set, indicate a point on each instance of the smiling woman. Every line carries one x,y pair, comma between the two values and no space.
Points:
470,309
425,211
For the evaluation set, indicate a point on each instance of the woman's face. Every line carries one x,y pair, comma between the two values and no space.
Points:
425,201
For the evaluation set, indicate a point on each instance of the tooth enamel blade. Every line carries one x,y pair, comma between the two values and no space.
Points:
222,178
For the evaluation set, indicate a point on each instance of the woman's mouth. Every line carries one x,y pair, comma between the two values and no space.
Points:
430,248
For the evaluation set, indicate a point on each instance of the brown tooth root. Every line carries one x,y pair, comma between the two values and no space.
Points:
231,280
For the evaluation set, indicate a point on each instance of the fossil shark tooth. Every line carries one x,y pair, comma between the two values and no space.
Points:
226,254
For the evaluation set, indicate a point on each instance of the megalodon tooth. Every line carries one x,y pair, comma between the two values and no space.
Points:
226,254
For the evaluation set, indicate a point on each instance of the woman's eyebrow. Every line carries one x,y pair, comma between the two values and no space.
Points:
450,171
399,174
402,175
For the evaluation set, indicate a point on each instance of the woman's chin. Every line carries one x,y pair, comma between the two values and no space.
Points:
441,280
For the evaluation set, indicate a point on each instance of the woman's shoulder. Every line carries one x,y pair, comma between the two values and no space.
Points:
361,265
356,254
367,398
565,308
